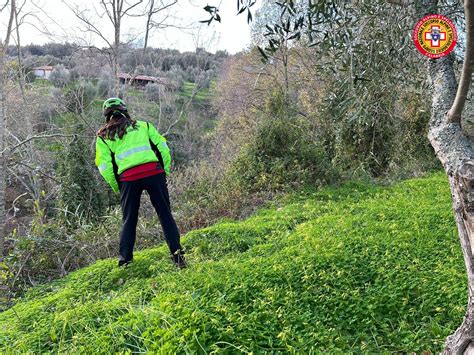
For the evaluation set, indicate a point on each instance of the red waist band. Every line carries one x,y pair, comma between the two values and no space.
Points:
141,171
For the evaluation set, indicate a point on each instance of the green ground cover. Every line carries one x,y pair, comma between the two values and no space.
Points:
188,89
360,268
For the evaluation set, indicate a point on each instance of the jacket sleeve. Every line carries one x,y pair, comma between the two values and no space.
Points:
103,161
160,143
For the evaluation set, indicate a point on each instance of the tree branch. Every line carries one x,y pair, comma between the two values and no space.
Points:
4,6
107,12
131,7
41,137
90,27
10,25
39,171
454,114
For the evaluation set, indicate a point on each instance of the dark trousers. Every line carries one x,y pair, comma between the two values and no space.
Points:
130,193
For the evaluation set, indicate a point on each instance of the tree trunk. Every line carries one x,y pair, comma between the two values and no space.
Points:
147,31
2,158
28,119
116,60
454,148
3,169
117,17
463,201
455,151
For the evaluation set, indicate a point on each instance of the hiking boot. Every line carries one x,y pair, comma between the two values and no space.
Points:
178,259
124,263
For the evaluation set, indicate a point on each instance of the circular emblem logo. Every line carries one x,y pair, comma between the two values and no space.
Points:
435,36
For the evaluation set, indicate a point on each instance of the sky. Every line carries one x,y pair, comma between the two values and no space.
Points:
56,18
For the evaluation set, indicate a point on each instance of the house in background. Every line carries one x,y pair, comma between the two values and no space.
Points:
44,71
140,81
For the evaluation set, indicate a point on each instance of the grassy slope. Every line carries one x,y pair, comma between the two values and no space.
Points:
360,268
188,88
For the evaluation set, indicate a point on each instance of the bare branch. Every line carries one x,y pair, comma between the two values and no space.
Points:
108,13
131,7
150,24
162,7
39,171
81,16
40,22
22,181
454,114
42,137
15,209
4,6
10,25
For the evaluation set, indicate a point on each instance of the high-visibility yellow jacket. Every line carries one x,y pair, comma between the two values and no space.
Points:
139,145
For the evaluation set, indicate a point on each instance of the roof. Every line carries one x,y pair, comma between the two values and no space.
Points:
144,77
44,67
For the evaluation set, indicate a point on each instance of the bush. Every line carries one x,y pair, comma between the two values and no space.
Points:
203,79
53,247
79,189
282,153
279,157
60,76
152,92
79,96
176,75
105,85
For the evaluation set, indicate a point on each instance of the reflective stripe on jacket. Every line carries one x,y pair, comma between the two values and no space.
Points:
136,147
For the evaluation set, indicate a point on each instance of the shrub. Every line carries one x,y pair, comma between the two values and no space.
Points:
282,153
79,96
105,84
176,75
60,76
53,247
203,79
79,189
152,92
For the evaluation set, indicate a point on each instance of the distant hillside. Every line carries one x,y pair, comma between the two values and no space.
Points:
359,268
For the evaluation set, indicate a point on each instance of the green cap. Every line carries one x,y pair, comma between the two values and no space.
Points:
113,101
